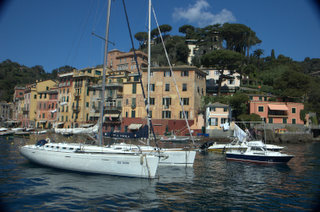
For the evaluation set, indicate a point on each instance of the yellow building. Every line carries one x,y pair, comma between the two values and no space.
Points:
165,108
82,80
34,94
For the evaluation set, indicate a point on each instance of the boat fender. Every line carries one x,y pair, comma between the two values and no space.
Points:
141,159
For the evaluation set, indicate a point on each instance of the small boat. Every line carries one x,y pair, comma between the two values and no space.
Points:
257,154
168,156
87,129
222,148
174,138
5,132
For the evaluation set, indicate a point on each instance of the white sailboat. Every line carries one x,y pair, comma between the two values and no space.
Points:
168,156
93,159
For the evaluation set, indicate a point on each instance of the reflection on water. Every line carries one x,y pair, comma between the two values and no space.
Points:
212,184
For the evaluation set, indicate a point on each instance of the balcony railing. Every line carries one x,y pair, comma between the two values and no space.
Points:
76,109
276,113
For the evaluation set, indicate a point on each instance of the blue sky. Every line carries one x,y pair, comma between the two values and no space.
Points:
56,33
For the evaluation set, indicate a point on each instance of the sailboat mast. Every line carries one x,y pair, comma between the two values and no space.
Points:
149,65
104,75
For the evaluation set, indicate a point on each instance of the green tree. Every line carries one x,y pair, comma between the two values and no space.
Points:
142,37
238,102
239,37
293,84
188,30
222,60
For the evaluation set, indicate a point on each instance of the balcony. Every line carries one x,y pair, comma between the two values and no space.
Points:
76,95
277,114
25,110
76,109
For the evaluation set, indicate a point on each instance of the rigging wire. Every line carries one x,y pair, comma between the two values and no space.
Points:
174,79
139,73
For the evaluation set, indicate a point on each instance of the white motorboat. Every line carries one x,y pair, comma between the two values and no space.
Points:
93,159
257,154
222,148
240,142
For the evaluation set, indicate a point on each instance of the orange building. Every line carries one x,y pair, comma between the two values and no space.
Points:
277,112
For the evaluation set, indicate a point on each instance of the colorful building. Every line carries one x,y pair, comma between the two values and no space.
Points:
277,112
165,109
33,94
217,116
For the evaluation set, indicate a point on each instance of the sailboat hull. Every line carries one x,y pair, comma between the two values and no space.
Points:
129,165
178,158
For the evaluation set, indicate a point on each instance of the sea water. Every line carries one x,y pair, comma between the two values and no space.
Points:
211,184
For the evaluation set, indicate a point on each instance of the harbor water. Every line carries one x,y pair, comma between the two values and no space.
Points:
213,184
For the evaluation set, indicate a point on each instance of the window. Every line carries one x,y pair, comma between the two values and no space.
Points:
284,120
134,101
260,108
40,106
293,121
167,74
260,98
166,101
43,115
182,116
67,118
213,121
133,114
224,120
167,88
152,101
126,114
152,87
184,73
166,114
150,113
251,97
136,78
98,72
293,110
225,109
270,120
231,82
35,96
134,88
184,87
185,101
212,108
87,104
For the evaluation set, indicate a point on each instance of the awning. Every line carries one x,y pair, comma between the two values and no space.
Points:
86,125
134,126
13,122
60,123
277,107
111,115
42,121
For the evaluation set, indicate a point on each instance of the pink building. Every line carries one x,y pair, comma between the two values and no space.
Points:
277,112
